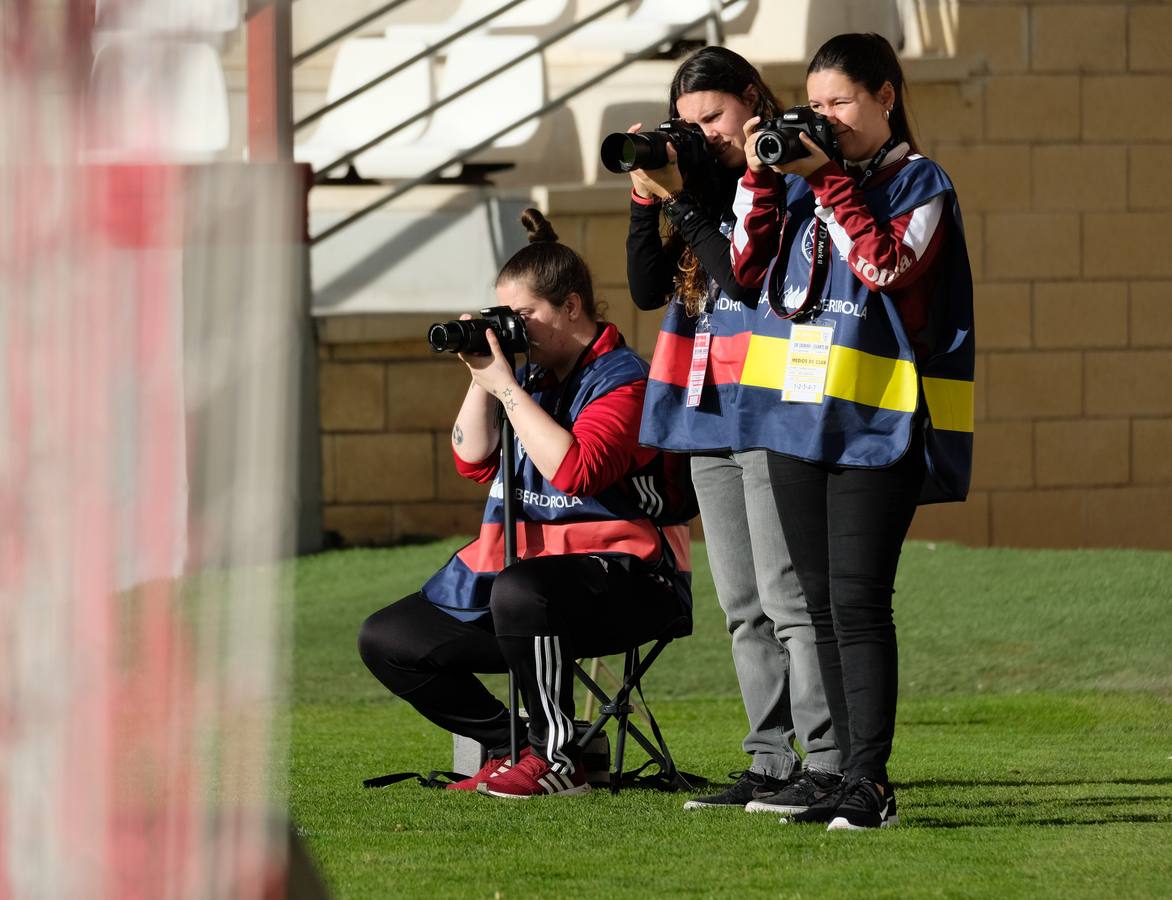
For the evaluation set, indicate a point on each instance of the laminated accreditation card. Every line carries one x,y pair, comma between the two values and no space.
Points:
700,348
807,362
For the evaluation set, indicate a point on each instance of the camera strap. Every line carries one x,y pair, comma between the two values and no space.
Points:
565,394
811,304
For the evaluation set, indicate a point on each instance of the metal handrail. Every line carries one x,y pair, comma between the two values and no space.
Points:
460,156
349,29
410,61
472,85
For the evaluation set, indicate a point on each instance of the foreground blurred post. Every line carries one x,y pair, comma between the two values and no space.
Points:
151,344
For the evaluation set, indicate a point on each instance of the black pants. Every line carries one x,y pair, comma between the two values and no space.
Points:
544,614
845,529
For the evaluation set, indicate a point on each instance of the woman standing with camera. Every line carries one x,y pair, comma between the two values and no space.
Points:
705,331
598,572
859,374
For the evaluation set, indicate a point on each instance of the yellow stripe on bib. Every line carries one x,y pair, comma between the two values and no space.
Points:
950,403
853,375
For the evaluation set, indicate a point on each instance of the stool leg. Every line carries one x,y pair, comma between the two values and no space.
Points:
514,706
623,715
588,708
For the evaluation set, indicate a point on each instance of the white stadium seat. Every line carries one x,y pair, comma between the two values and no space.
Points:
471,118
535,16
371,113
157,100
653,20
168,16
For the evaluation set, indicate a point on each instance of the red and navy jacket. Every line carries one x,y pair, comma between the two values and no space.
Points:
899,298
609,497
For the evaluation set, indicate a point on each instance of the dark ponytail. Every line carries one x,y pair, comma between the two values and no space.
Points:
869,60
550,270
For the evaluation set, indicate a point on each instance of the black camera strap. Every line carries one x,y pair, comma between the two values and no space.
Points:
565,394
819,258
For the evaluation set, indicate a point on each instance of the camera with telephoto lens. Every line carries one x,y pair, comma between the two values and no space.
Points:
778,142
624,151
468,335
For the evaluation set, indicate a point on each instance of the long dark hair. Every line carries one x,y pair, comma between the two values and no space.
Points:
719,69
869,60
712,69
550,270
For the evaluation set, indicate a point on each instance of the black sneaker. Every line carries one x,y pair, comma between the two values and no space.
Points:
749,786
810,787
865,805
822,809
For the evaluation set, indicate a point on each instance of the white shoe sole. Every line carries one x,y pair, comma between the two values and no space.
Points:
840,824
761,806
697,804
568,792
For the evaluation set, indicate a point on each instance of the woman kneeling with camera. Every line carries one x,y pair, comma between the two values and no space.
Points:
598,572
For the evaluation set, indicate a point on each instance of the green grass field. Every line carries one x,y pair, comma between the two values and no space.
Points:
1033,752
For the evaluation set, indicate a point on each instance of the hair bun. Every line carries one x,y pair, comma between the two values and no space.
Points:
538,226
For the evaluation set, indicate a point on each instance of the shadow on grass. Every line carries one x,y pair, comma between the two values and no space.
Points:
1071,782
1134,819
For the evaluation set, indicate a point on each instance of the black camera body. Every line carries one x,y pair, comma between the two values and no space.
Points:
623,151
778,142
468,335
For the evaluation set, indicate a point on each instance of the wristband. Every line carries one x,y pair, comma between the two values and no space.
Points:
643,201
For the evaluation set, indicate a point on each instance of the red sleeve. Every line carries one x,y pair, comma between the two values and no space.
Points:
481,472
605,442
757,232
887,257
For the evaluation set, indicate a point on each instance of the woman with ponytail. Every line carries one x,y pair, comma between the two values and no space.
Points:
600,570
859,375
691,408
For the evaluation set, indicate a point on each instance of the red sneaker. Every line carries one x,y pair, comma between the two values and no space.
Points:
492,767
533,777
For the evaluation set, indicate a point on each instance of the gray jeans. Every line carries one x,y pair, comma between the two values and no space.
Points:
772,638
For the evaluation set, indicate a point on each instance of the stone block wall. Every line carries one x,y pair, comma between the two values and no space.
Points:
1054,123
387,404
1063,164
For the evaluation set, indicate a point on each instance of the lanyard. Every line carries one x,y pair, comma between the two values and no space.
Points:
811,305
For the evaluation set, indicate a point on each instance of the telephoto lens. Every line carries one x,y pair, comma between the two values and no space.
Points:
623,152
468,336
460,336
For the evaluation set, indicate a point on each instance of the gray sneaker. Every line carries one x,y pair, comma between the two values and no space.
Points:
749,786
798,794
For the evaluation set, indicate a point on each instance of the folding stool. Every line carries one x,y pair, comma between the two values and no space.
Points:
619,708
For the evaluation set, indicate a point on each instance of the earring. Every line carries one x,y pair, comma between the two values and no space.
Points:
886,114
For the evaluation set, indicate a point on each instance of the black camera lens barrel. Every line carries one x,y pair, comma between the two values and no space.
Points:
625,152
777,147
469,336
459,336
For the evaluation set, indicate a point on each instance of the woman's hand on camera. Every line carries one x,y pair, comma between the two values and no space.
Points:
751,158
494,373
660,183
807,165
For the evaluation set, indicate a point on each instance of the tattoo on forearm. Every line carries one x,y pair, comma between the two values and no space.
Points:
507,399
457,436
